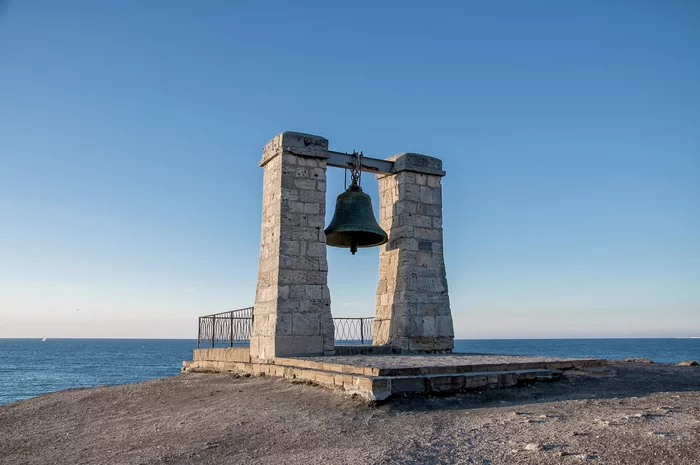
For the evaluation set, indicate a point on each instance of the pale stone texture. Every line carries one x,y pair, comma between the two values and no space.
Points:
222,354
413,306
292,313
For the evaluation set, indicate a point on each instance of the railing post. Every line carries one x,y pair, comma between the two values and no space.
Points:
231,335
362,332
199,331
213,330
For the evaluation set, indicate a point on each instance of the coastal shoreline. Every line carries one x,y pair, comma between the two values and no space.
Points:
633,413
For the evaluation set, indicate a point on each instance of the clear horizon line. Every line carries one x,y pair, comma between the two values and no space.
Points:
456,339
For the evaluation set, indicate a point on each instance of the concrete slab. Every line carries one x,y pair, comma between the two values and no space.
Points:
423,364
377,377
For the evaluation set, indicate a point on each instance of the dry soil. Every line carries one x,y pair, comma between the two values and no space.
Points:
630,414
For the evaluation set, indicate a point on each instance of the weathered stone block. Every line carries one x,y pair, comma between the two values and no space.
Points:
475,382
452,383
342,380
417,163
222,354
444,326
421,344
507,379
407,385
327,379
305,324
381,385
428,327
299,345
491,367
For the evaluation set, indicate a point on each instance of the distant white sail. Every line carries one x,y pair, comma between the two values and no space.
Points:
43,340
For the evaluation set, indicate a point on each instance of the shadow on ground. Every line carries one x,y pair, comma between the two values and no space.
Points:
621,380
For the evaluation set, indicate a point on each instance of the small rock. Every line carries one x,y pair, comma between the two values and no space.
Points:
584,457
660,433
534,446
638,360
689,363
645,415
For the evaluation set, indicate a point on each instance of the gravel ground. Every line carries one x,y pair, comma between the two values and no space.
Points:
629,414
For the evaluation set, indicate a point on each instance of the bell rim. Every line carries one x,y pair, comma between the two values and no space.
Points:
383,239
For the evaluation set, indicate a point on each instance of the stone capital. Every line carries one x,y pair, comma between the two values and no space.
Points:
417,163
306,145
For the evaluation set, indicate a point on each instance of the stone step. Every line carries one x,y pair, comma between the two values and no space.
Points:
377,377
456,382
362,369
382,387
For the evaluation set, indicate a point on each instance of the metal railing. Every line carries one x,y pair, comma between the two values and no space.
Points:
226,329
353,330
233,328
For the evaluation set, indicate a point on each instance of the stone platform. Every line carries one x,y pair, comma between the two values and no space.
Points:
377,377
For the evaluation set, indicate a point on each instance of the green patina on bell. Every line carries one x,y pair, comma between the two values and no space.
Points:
353,225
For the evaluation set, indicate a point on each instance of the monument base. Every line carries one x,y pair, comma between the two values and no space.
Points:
378,377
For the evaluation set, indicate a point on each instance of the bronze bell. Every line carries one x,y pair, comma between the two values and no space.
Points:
353,224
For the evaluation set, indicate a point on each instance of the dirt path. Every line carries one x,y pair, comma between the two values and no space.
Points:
637,414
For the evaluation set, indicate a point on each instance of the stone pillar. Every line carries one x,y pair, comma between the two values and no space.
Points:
413,306
292,314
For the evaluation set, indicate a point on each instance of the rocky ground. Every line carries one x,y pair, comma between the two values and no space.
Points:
633,413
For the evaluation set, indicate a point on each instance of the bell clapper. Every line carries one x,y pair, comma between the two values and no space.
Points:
353,245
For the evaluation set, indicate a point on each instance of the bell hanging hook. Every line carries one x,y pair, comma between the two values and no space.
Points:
356,170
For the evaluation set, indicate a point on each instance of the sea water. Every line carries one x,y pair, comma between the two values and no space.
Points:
30,367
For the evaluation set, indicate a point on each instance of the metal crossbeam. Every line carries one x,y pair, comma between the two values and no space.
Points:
346,160
370,165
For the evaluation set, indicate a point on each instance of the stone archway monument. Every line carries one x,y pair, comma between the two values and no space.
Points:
292,313
292,328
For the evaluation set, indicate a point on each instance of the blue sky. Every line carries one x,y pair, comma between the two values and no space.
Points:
130,134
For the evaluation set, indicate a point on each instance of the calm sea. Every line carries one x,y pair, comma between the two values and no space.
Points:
30,367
